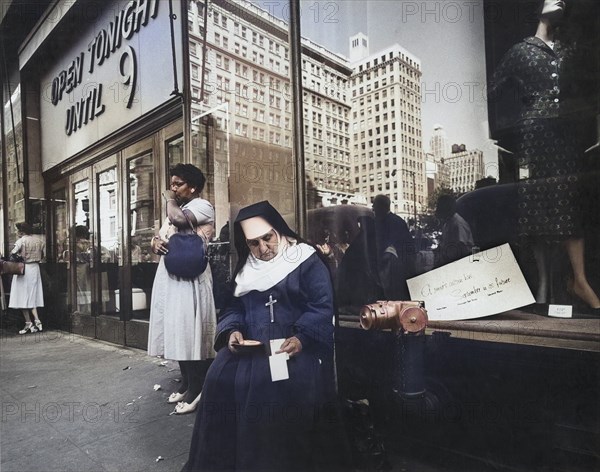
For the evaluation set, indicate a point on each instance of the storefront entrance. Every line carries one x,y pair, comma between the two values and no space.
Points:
103,217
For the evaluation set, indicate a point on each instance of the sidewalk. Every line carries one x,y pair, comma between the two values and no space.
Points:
70,403
75,404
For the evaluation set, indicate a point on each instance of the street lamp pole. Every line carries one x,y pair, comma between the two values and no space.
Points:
414,196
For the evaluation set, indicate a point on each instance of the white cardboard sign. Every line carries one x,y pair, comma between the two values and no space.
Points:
560,311
487,283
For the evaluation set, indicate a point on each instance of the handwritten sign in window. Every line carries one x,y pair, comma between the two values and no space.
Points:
472,287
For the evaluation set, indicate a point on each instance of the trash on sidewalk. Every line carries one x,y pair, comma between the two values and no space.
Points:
164,363
157,387
159,458
126,368
32,386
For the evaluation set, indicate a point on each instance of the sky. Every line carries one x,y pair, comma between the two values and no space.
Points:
446,35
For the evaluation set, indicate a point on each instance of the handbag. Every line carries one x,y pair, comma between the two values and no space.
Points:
187,257
11,268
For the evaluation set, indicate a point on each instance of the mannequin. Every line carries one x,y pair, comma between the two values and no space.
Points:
548,149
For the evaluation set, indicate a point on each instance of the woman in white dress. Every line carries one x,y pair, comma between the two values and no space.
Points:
182,311
26,291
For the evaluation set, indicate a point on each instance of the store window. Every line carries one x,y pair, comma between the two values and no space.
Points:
141,230
174,153
83,249
59,295
432,104
14,179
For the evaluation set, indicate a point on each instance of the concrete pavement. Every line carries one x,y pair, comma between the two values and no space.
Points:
70,403
75,404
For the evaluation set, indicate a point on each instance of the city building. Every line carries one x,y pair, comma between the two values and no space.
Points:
465,168
387,155
439,150
359,47
247,72
96,117
431,170
101,98
438,143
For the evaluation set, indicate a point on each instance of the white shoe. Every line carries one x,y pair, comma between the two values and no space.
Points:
28,327
38,325
176,397
184,408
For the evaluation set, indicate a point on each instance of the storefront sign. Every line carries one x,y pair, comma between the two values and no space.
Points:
481,285
129,21
119,68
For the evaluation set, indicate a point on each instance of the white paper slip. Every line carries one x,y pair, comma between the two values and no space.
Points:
560,311
275,345
473,287
279,368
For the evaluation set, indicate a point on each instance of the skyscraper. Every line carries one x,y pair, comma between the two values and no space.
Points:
465,168
440,150
438,144
387,154
247,67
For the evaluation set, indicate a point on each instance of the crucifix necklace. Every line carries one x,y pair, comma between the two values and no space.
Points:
270,304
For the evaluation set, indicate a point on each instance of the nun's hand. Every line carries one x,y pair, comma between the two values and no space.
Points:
235,339
291,345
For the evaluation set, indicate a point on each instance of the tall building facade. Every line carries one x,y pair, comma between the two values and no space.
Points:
439,150
387,155
14,172
465,168
247,72
438,143
359,47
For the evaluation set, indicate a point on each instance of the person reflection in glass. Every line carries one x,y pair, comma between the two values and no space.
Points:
395,249
358,273
456,240
83,258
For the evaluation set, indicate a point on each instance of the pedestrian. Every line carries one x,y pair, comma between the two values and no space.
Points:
83,268
182,311
395,250
457,240
327,244
282,306
358,281
26,292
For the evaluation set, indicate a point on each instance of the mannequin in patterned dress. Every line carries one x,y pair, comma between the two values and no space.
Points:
548,151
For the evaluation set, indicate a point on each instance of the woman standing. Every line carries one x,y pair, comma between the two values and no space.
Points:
182,311
26,291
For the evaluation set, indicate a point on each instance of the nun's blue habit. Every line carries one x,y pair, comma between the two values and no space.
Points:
245,420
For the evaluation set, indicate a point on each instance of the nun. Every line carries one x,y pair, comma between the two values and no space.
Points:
272,374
